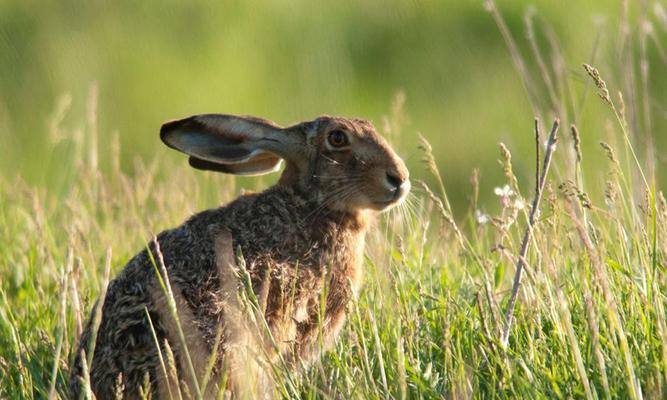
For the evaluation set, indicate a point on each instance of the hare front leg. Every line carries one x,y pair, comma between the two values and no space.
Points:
244,342
197,358
191,344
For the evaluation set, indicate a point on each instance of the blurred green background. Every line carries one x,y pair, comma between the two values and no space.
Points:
294,60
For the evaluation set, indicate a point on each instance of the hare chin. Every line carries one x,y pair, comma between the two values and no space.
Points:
384,206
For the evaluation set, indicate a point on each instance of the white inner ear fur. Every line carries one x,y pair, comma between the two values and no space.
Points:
249,157
278,166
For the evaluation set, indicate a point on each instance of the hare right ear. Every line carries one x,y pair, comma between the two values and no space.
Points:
228,143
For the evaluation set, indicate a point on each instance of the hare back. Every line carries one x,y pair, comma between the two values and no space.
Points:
291,252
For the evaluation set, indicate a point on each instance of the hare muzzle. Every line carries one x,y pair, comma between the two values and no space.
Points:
398,187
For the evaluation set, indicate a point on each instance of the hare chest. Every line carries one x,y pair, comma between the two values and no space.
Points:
305,306
303,271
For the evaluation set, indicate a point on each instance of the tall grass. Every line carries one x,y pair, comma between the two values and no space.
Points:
588,316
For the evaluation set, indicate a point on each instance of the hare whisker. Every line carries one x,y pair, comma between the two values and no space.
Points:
331,160
336,195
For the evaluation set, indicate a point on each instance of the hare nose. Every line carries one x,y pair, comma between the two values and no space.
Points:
394,180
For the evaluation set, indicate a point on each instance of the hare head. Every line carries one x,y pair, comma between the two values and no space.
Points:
341,163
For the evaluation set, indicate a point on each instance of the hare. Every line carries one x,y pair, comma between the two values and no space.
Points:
300,239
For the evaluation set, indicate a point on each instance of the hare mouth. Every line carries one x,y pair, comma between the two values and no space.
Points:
386,203
383,205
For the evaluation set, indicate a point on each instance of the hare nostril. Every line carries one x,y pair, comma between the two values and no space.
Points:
394,180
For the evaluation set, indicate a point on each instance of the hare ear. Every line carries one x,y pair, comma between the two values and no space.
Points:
256,166
227,143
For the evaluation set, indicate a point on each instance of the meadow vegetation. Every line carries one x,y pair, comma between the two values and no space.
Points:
441,314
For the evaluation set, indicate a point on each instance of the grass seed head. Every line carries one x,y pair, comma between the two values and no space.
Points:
610,194
601,84
610,152
506,162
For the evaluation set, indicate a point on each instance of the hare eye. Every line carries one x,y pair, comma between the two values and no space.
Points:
338,138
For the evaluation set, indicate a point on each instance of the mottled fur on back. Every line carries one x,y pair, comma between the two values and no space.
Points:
271,229
296,239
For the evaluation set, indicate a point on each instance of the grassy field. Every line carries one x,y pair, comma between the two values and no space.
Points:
589,316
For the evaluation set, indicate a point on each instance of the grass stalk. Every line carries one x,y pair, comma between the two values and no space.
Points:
97,313
163,279
523,252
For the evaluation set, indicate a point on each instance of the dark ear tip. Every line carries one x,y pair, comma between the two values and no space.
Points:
179,124
170,126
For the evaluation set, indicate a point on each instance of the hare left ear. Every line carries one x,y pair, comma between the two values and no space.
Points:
256,166
228,143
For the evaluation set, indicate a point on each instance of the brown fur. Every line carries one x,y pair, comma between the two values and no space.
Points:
297,238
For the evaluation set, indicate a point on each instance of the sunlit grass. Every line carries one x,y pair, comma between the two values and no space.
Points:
589,320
